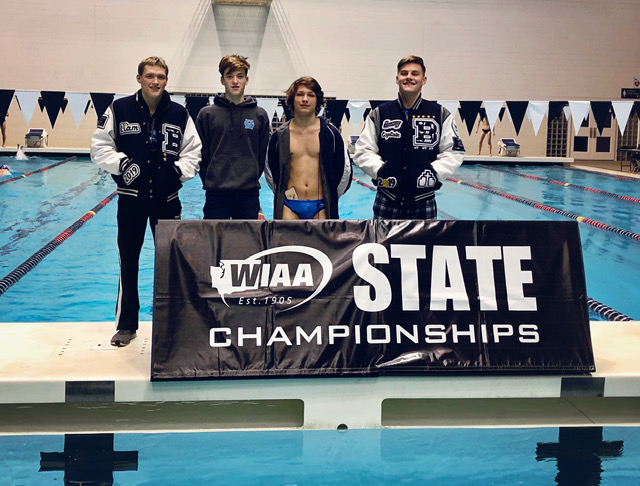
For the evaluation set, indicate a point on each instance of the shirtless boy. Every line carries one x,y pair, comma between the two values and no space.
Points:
308,166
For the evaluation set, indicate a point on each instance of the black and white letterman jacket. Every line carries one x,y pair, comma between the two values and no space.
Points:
408,153
164,148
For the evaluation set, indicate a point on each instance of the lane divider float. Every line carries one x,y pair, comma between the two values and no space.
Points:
538,205
565,184
39,170
605,311
25,267
598,307
615,176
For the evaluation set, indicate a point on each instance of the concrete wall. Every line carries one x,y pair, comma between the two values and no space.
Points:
481,50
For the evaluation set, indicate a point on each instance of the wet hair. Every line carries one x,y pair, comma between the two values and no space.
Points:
415,59
233,62
153,61
310,83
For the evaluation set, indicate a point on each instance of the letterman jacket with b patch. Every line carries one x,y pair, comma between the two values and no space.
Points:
164,148
409,155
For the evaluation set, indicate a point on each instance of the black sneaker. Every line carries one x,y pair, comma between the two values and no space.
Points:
122,338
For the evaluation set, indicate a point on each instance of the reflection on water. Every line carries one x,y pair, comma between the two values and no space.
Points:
579,452
533,456
89,459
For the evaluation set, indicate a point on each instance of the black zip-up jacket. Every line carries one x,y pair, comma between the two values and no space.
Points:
335,167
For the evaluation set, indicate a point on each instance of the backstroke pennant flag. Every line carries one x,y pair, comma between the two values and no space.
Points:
357,109
536,112
622,110
579,111
269,105
469,112
601,110
517,111
77,104
493,110
450,105
28,101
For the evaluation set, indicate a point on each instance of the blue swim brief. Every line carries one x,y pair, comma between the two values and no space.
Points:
305,208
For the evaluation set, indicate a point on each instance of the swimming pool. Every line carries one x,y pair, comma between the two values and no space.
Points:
522,456
78,280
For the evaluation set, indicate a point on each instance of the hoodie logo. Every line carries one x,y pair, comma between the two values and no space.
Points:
249,124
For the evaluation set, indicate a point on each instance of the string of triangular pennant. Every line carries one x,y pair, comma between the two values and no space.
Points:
356,111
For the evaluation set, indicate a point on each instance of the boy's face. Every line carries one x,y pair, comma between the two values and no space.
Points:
234,82
153,81
304,101
410,79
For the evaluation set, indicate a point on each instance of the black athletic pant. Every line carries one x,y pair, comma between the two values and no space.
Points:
133,215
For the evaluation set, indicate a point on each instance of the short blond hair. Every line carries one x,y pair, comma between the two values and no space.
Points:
153,61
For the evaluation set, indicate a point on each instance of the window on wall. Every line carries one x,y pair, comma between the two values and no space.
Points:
580,144
557,137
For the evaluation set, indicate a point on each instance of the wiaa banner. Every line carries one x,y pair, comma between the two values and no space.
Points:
298,298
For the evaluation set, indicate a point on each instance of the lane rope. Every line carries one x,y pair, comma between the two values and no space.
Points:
605,311
538,205
28,265
598,307
615,176
561,183
43,169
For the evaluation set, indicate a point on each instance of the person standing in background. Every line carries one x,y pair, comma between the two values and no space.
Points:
3,127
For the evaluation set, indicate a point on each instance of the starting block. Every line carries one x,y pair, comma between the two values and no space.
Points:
36,138
508,147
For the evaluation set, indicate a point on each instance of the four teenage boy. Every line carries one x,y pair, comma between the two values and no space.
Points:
151,146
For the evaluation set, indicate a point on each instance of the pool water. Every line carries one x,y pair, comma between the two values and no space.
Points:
78,280
475,457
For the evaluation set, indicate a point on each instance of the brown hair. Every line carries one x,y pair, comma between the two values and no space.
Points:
415,59
153,61
233,62
310,83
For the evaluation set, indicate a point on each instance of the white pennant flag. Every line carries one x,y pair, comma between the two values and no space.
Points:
579,111
622,109
357,109
321,112
28,101
536,112
279,112
269,105
493,110
452,106
77,103
118,96
180,99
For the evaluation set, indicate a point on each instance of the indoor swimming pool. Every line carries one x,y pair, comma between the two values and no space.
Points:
72,204
476,457
77,281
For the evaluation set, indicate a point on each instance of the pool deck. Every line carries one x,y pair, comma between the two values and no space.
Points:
62,377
